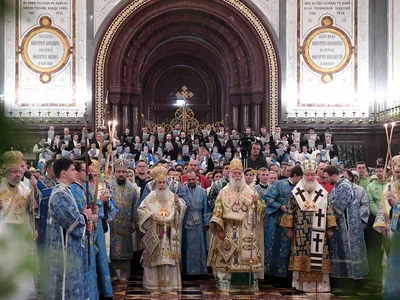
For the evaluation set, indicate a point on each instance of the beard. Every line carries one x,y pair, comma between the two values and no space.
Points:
237,184
162,194
121,180
309,186
14,181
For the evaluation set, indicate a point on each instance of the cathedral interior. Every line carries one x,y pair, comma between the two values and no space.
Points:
289,64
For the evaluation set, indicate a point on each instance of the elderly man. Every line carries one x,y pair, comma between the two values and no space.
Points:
160,219
194,166
16,201
236,252
125,196
309,219
347,246
195,224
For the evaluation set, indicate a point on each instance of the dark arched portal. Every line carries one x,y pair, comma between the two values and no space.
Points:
148,53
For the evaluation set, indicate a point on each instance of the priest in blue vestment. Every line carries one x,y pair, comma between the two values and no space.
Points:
276,243
195,225
66,227
78,189
347,247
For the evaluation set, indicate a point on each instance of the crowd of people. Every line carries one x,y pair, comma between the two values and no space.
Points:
250,206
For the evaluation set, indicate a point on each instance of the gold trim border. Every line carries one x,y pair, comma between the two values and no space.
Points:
332,30
236,4
44,29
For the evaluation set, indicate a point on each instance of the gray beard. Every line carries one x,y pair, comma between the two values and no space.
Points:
237,184
309,186
162,194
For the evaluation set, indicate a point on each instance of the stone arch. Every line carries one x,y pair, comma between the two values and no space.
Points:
241,58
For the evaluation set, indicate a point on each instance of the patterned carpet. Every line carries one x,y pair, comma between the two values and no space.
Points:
203,287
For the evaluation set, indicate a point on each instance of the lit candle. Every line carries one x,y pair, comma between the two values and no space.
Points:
109,127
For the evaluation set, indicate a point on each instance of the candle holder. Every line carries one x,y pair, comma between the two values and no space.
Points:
333,118
286,118
296,117
86,116
315,117
323,121
21,119
58,117
362,118
352,120
372,120
48,117
305,120
11,116
40,117
343,118
68,120
76,117
30,116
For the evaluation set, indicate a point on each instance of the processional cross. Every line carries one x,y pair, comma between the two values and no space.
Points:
185,95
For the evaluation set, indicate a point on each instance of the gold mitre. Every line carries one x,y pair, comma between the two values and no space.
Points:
95,166
235,164
159,173
396,161
308,165
12,159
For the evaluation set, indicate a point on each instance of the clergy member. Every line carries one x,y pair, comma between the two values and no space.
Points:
277,244
383,221
121,228
16,204
262,186
237,252
195,225
310,222
66,228
160,219
347,246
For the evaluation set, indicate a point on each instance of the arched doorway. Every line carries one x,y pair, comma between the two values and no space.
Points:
219,49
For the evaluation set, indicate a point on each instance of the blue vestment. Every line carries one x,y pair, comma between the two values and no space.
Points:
347,245
65,231
79,193
194,246
277,245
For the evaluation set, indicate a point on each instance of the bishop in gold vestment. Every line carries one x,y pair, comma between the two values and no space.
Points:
237,245
160,219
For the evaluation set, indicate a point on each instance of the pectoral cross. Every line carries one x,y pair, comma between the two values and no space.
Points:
317,240
300,193
319,215
318,194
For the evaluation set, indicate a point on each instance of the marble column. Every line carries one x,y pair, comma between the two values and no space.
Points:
135,120
256,118
235,117
245,117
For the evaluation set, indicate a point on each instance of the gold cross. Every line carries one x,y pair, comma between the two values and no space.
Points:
184,94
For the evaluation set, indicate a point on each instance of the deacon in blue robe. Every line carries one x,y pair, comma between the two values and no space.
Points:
277,245
65,231
195,224
347,246
79,193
